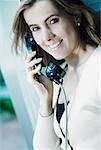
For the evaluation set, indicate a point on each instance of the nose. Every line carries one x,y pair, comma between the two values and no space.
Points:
47,35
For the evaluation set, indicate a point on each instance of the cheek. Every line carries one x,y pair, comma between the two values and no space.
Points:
69,34
37,39
62,31
67,27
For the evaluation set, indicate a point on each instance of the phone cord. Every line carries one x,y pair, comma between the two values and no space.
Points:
66,101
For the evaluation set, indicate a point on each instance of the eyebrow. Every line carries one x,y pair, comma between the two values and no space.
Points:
45,19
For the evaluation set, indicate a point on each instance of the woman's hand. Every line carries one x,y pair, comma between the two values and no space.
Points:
43,86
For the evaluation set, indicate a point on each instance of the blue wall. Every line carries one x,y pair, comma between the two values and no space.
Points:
95,4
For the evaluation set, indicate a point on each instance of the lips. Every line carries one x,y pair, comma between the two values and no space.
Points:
55,45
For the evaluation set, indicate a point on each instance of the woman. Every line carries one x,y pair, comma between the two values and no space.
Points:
65,32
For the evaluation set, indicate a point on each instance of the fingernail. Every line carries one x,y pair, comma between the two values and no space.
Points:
34,52
40,58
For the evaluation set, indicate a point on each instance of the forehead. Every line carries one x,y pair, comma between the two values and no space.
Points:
39,11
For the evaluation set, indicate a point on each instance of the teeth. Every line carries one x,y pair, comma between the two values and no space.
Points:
54,45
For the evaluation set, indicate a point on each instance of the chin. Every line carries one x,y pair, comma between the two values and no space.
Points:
60,57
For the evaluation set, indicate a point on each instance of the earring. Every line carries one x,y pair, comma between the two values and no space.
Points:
77,21
78,24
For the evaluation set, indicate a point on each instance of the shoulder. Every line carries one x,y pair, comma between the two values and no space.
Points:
91,78
92,69
99,70
93,65
95,59
97,52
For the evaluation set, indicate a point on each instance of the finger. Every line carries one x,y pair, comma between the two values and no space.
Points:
29,56
38,86
33,62
36,70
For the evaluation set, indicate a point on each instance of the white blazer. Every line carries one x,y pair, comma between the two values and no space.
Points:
84,114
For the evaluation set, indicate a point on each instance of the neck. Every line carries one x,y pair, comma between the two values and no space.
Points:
79,56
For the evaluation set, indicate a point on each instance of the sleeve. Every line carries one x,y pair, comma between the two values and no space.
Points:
45,137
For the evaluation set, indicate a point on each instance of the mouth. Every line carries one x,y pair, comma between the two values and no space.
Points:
56,45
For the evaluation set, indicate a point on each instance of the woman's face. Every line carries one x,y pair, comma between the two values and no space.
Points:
51,30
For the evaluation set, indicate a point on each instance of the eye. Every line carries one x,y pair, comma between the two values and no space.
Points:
35,29
54,20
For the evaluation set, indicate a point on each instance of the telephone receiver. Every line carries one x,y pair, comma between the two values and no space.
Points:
52,71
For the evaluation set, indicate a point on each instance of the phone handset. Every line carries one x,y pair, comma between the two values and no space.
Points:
51,71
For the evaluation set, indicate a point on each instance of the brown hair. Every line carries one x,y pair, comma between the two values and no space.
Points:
88,31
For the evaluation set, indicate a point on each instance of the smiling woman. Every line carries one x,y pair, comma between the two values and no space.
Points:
85,30
65,32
